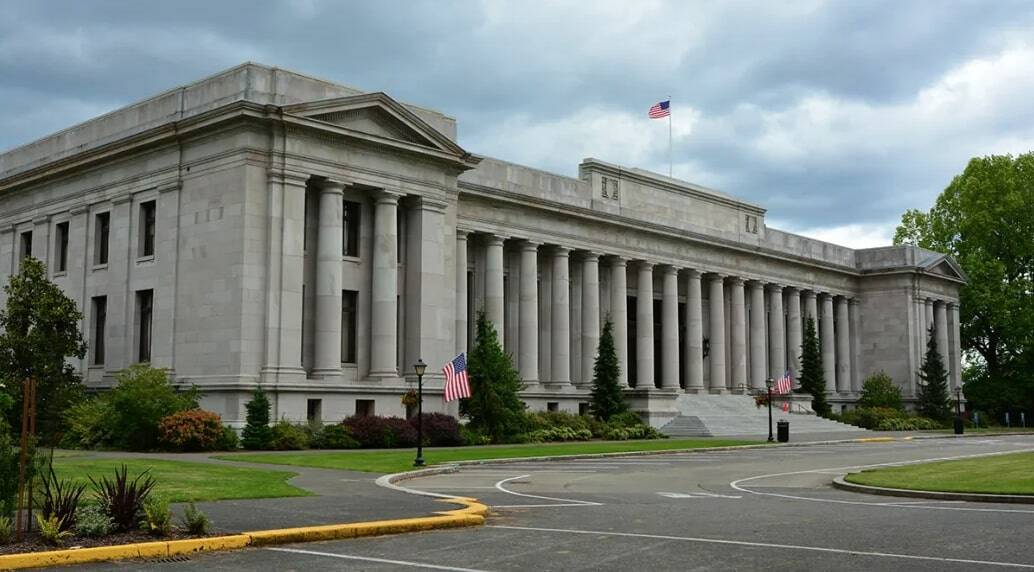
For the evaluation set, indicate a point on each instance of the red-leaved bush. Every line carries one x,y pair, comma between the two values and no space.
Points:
440,430
376,432
191,430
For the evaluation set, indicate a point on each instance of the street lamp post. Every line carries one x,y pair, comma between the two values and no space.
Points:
419,367
958,411
768,385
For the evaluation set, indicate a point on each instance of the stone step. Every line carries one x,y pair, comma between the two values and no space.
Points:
718,415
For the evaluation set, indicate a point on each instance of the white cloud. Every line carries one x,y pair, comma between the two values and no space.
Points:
851,235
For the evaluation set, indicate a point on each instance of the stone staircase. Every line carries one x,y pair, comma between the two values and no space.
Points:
721,415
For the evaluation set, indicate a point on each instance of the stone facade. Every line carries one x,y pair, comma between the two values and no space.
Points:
264,227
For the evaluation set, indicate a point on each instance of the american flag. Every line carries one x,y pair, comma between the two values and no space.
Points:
661,109
456,384
784,384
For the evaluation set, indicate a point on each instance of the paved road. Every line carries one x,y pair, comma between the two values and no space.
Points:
738,510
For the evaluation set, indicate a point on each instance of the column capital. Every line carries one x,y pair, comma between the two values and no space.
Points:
792,290
693,273
462,234
952,305
737,280
775,286
716,276
429,204
494,239
644,265
332,187
811,294
590,255
530,245
618,261
671,269
853,301
384,196
290,178
561,250
928,301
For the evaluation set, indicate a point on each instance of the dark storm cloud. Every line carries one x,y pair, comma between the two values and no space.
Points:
826,113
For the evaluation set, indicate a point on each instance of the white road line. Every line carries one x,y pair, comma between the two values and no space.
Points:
564,502
372,559
842,470
770,545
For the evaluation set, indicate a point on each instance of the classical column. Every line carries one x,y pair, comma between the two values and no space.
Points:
828,344
327,356
776,332
811,309
644,328
738,322
670,329
619,314
561,317
494,284
794,332
529,312
956,347
843,335
590,314
461,291
854,326
941,329
384,322
716,351
928,312
758,339
694,351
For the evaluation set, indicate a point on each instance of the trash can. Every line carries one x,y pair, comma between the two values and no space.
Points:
783,431
958,426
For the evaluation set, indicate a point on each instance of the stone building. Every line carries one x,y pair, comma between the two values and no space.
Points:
264,227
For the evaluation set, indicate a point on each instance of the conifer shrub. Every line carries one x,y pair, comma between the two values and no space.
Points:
932,398
495,407
257,434
607,398
813,378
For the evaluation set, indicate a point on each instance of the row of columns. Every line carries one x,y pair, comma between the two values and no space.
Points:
943,317
767,349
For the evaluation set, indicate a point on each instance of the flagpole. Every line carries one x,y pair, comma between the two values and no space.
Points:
670,160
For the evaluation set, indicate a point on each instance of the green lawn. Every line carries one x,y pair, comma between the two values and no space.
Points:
1002,474
394,461
183,481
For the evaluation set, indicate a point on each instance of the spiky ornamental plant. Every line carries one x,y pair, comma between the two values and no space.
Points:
607,399
813,380
495,405
257,434
932,399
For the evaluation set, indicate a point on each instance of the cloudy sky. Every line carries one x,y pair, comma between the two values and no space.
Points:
836,116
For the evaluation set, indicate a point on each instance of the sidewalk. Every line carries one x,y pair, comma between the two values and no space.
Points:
340,496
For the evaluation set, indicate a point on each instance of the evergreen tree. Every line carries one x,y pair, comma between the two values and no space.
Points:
495,405
257,434
932,399
607,399
813,379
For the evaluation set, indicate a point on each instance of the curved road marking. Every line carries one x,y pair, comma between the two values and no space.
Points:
769,545
562,502
842,470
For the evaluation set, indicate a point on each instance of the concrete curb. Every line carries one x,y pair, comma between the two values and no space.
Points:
840,483
472,514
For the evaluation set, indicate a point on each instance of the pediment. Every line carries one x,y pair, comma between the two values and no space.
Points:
378,117
946,266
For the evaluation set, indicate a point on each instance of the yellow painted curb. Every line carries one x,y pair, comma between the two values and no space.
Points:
876,439
472,514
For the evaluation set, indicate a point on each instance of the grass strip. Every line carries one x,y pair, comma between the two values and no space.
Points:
1001,474
184,481
396,460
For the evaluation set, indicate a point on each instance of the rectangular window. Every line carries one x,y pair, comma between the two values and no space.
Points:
314,410
100,319
101,229
61,243
147,224
364,408
350,236
26,246
553,406
349,325
144,312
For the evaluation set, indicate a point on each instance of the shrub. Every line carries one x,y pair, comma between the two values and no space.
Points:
257,434
88,424
286,436
472,436
50,531
626,419
617,433
9,456
138,403
123,499
195,521
559,434
870,417
878,390
192,430
92,522
157,518
374,431
334,437
6,529
228,441
908,424
550,419
59,498
440,430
